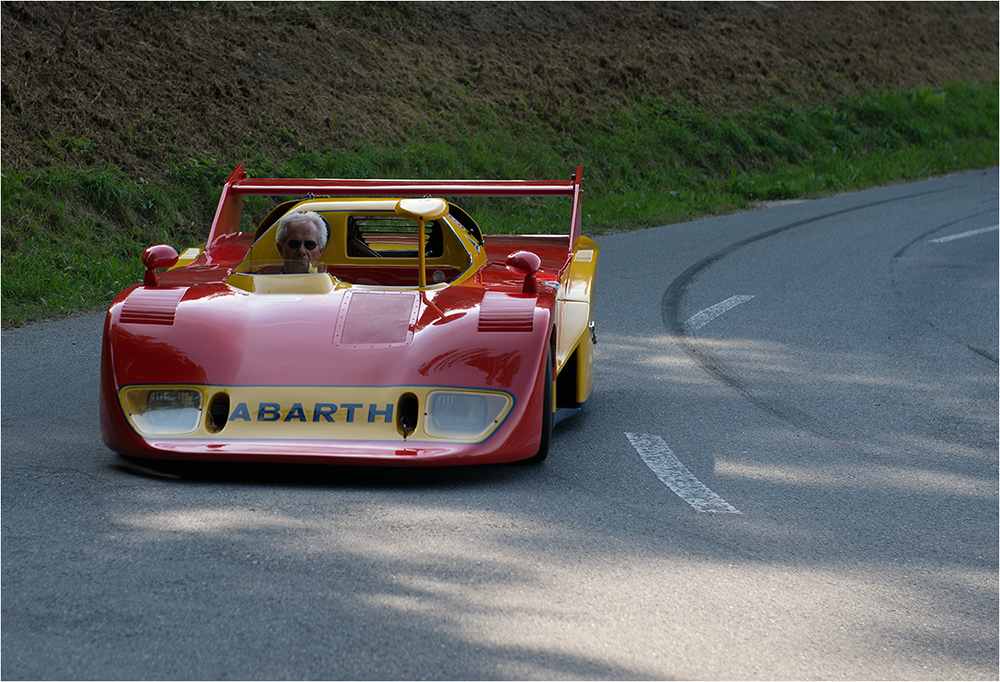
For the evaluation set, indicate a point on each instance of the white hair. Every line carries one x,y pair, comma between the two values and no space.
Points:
308,216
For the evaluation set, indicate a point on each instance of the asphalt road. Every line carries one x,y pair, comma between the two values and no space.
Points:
788,470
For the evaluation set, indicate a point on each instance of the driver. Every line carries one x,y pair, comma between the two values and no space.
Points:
301,238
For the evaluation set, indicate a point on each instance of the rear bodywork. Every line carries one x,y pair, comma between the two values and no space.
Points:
367,360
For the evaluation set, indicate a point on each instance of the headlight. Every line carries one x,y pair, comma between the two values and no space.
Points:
161,411
464,414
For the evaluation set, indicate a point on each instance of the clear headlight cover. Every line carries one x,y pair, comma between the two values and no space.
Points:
163,411
468,415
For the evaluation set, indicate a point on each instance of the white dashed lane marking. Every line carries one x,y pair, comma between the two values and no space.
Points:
661,459
699,320
963,235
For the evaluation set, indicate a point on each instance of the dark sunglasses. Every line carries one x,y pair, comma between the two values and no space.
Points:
294,244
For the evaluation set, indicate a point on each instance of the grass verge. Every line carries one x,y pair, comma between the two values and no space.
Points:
71,238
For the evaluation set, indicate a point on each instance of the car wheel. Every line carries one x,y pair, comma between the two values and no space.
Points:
543,446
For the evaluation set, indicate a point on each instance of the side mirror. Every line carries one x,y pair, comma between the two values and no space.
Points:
159,256
525,264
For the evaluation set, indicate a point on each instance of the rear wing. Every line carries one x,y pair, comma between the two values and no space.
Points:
238,185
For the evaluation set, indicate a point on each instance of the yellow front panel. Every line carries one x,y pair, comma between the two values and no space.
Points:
309,412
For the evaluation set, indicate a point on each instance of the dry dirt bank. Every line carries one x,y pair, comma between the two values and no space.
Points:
127,83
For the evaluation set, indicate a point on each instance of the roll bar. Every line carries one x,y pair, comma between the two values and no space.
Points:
238,185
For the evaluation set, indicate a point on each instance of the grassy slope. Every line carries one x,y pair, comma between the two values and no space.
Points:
71,237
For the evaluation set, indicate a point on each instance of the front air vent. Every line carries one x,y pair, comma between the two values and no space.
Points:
407,414
218,413
151,305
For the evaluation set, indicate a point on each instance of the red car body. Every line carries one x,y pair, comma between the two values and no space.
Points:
367,361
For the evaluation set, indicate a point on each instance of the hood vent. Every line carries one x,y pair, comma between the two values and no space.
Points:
376,319
151,305
507,312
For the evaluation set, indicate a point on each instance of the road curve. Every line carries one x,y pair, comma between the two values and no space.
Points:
788,469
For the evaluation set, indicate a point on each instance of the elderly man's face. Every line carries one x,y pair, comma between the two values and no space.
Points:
295,250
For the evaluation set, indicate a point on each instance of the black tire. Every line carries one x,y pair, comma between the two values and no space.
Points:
543,446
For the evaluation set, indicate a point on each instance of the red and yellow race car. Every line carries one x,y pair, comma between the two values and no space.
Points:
411,338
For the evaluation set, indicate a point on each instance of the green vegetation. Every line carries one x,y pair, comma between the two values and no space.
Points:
71,238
